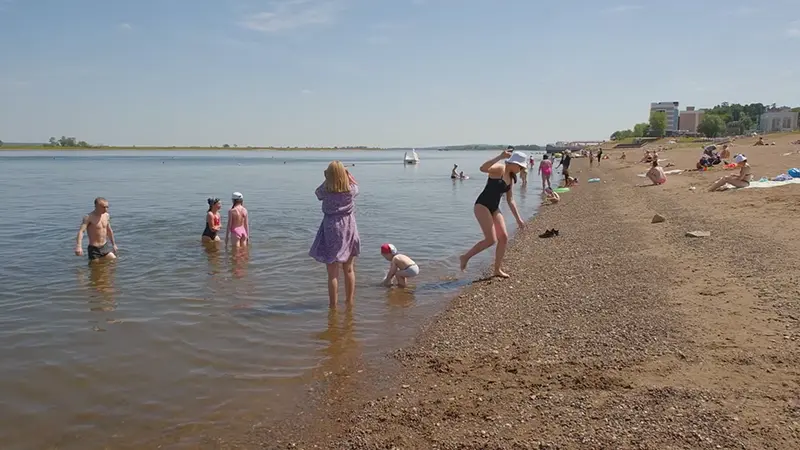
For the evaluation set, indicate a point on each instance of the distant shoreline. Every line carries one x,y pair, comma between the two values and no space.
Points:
156,148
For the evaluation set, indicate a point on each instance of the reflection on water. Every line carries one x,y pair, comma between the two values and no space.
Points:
98,279
207,336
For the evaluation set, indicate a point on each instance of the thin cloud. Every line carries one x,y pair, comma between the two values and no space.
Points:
125,26
794,29
291,14
306,92
743,11
625,8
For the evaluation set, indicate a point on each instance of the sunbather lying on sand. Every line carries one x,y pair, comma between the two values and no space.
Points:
656,174
739,180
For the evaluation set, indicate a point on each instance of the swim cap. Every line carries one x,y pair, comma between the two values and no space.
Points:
237,196
388,249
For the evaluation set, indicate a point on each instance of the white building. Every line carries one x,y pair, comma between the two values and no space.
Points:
782,120
671,110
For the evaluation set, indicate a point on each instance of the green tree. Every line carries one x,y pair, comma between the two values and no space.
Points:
641,129
621,134
53,141
83,144
1,143
711,125
226,146
658,123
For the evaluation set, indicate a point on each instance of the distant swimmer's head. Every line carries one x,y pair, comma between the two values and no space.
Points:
214,204
388,251
100,205
336,178
237,198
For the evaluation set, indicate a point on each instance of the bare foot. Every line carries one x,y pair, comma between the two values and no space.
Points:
501,274
464,262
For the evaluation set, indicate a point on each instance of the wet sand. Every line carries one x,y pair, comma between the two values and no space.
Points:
619,333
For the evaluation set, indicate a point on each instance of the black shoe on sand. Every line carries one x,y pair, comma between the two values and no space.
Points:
547,234
555,232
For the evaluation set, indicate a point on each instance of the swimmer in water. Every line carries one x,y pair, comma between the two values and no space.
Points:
238,222
453,174
401,267
97,225
213,221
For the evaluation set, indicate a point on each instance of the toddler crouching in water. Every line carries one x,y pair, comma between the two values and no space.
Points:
401,267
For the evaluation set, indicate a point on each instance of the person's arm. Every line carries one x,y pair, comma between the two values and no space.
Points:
210,221
392,270
79,238
247,225
540,169
110,233
485,167
514,211
320,192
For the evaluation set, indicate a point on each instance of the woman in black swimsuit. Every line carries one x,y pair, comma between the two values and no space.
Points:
502,175
213,222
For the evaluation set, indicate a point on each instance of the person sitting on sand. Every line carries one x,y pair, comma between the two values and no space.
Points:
725,154
739,180
622,156
656,174
401,267
760,141
453,174
647,158
550,195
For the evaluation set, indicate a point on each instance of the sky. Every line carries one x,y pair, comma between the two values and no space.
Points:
380,72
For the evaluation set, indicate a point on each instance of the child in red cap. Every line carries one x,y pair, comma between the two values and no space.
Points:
401,268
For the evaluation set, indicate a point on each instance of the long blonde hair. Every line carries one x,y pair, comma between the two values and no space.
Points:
336,179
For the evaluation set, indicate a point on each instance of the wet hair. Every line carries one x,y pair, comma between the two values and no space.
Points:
98,200
238,201
212,202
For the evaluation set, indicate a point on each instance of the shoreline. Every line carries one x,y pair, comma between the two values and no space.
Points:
117,148
617,334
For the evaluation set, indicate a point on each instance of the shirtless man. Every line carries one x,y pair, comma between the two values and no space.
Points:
238,222
101,237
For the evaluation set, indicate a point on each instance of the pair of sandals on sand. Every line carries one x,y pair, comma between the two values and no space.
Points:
549,233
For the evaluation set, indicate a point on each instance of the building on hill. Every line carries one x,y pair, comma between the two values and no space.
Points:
689,120
671,110
778,120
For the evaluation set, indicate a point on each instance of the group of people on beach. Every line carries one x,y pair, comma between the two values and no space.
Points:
337,243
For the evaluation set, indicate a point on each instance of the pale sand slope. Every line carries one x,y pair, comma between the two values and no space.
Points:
617,334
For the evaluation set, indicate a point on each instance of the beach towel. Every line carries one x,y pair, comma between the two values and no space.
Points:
769,184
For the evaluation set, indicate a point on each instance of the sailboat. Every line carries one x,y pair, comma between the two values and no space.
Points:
413,159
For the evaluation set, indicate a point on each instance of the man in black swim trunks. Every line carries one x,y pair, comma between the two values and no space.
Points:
566,159
97,225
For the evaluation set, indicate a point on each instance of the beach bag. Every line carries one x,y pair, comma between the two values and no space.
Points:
794,173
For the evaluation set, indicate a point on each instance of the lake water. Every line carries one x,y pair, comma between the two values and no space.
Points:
172,338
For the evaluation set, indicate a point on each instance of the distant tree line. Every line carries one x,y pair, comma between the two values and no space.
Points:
725,118
67,142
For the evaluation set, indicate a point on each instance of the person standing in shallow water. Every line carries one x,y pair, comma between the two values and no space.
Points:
487,207
337,243
238,222
97,225
213,221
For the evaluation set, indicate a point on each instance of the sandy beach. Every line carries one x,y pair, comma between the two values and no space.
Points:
619,333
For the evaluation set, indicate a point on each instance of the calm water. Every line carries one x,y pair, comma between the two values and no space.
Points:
172,338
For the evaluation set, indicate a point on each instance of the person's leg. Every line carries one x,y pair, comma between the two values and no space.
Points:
547,177
719,183
543,178
205,239
401,281
333,284
738,183
349,280
109,256
487,227
502,240
243,241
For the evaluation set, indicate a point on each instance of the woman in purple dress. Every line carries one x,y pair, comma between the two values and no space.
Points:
337,243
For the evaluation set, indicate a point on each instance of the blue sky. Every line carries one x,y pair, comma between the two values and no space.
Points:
379,72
